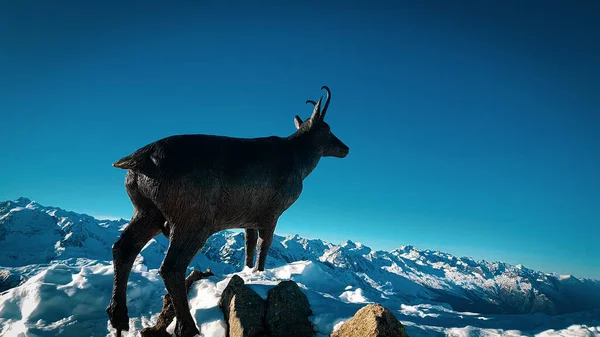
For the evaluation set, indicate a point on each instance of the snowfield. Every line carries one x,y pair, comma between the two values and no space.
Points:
56,280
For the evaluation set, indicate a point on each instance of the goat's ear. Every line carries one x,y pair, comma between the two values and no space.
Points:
297,121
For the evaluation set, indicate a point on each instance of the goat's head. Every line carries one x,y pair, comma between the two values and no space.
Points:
319,131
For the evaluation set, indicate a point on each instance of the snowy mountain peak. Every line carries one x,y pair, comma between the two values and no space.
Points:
11,204
293,237
349,244
408,249
21,201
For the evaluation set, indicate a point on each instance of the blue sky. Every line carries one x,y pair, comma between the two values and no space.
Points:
472,128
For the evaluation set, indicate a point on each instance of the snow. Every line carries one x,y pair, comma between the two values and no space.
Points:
66,300
57,278
353,296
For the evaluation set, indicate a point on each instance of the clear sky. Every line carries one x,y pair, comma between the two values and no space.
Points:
473,128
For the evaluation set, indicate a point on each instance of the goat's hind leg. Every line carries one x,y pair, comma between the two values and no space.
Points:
250,238
184,245
264,244
142,227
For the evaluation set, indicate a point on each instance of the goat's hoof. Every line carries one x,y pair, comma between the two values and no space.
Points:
118,316
186,330
154,332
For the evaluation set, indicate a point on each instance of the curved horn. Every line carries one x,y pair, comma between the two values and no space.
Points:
326,101
317,111
311,102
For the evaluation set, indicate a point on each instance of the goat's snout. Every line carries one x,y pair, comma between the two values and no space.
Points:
345,150
338,148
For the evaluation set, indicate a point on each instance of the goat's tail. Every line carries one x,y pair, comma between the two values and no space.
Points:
126,163
138,161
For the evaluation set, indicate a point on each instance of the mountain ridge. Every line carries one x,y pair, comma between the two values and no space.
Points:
405,274
122,221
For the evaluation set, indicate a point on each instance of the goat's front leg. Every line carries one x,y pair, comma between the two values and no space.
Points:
265,237
251,236
182,249
142,227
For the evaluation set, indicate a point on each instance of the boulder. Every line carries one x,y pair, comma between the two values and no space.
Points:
244,310
288,312
372,320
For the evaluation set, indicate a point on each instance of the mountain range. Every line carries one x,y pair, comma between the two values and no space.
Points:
34,238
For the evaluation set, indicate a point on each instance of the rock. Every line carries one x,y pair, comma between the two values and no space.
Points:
372,320
243,308
288,312
9,280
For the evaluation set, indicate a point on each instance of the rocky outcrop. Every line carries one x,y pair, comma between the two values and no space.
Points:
285,313
243,308
372,320
288,312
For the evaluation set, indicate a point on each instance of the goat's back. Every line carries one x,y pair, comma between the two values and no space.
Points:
182,154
